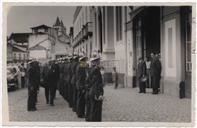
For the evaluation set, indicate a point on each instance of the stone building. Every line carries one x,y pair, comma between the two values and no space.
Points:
41,42
49,42
82,31
165,31
62,40
17,45
122,34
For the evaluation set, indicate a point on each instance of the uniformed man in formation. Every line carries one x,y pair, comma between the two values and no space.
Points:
78,82
33,84
81,85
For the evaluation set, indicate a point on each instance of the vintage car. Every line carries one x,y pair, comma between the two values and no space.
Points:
12,81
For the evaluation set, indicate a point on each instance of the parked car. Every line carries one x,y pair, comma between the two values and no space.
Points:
12,81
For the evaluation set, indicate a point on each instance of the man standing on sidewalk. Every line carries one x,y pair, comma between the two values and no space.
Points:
141,75
115,78
156,72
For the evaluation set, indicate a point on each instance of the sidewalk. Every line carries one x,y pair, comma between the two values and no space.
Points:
122,104
126,104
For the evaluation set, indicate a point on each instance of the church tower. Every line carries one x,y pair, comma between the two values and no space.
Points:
59,27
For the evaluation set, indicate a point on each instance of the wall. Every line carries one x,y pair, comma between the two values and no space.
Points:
120,50
38,54
171,52
37,38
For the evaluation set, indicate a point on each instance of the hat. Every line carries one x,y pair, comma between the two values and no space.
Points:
81,54
95,56
82,58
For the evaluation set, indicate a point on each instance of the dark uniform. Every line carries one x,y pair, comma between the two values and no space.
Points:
33,84
73,83
53,76
95,94
65,85
45,81
141,72
81,81
156,75
69,76
87,95
61,82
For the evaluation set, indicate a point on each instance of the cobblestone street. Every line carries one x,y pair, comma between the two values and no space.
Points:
123,104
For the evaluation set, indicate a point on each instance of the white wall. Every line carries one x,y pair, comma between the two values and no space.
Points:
35,39
38,54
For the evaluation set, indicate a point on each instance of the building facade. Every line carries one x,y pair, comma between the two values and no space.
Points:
49,42
82,31
41,42
62,44
17,45
123,34
165,31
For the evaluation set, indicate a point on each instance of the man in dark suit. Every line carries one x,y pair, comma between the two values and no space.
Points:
156,72
53,76
45,81
141,72
33,85
73,82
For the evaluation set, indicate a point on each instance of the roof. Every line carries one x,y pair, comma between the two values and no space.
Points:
57,23
20,37
18,49
40,26
62,24
37,47
38,43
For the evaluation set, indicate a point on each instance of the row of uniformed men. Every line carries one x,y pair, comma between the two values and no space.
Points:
78,82
81,85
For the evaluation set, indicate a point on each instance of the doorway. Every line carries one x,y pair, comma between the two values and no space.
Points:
146,33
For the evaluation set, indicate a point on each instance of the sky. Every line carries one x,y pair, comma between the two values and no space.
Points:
20,19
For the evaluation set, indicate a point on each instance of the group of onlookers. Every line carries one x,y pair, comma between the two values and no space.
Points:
18,70
149,73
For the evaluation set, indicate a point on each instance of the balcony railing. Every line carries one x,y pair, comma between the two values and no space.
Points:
83,34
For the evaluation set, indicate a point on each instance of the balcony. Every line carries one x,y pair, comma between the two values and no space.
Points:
83,34
78,39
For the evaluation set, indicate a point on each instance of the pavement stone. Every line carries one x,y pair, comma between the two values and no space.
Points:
122,104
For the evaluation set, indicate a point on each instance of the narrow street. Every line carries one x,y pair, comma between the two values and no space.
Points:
123,104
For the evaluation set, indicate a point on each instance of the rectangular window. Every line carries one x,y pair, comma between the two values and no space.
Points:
24,57
118,23
19,56
170,47
14,55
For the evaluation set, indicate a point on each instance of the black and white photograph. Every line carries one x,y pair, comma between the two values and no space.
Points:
100,63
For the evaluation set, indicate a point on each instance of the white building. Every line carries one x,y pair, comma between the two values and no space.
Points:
49,42
40,42
82,33
123,34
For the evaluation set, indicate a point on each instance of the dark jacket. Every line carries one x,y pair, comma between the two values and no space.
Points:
156,68
141,69
53,74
